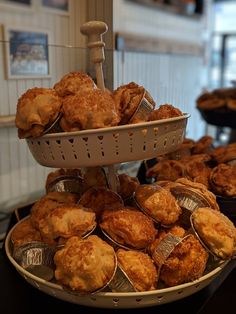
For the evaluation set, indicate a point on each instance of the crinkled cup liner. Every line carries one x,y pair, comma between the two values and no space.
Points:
121,282
203,243
36,258
116,245
143,110
164,248
89,232
147,213
102,289
66,183
55,126
188,200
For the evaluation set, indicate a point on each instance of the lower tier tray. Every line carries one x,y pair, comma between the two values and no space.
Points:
119,300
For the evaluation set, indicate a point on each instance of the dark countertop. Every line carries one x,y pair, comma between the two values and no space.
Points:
18,296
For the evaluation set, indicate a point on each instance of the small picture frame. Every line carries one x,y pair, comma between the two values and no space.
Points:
18,5
27,53
60,7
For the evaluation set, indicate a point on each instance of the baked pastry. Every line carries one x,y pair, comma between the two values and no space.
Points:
24,232
209,101
165,111
203,146
159,203
128,227
94,177
37,109
99,198
140,269
185,263
67,221
127,98
88,109
223,180
128,185
216,231
85,265
169,170
47,203
74,82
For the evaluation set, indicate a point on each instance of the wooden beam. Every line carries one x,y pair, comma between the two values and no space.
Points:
140,43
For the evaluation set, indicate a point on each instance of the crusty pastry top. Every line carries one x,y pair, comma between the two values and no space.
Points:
159,203
37,108
139,268
167,170
88,109
165,111
128,227
25,232
223,180
85,265
127,98
99,198
67,221
216,231
47,203
128,185
74,82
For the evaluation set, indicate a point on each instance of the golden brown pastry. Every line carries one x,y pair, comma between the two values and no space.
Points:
74,82
128,185
186,262
94,177
128,227
159,203
139,268
127,98
67,221
36,110
165,111
216,231
169,170
98,199
223,180
85,265
88,109
25,232
203,146
47,203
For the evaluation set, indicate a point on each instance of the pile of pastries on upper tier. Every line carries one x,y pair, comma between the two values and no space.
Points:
76,103
99,227
201,162
222,98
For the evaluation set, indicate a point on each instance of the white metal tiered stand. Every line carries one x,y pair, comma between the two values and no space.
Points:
106,147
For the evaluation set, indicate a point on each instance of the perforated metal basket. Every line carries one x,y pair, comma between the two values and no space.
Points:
108,146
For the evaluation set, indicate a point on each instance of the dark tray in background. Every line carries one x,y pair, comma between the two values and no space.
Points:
223,117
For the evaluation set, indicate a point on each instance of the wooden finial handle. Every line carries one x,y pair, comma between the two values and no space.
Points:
94,30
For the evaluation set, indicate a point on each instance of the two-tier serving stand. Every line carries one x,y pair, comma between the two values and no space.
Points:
106,147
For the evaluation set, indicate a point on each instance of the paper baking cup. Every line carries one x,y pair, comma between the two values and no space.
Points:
121,282
66,183
54,127
36,258
143,111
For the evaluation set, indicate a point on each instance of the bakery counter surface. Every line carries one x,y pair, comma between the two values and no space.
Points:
17,296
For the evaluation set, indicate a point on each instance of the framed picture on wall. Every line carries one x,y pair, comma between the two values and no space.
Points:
27,53
56,6
23,5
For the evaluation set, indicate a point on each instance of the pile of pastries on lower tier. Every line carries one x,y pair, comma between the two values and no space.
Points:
75,103
99,230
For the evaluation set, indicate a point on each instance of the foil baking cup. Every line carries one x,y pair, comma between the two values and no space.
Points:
188,200
54,127
66,183
231,162
36,258
121,282
143,110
